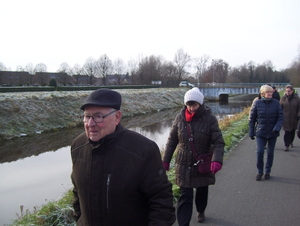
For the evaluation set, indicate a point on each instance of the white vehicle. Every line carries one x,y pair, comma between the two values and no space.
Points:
186,84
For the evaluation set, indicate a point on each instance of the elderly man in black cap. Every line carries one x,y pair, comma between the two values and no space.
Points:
117,174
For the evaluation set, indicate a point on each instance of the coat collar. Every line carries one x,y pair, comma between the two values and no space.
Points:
110,139
201,111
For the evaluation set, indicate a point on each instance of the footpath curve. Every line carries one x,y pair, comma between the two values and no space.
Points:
237,199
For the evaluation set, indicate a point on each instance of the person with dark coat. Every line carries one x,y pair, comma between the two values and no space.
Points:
195,131
290,104
118,175
275,94
265,122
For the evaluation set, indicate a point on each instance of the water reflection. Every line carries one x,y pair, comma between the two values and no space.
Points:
36,169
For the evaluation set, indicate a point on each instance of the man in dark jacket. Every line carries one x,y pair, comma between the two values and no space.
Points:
275,94
117,174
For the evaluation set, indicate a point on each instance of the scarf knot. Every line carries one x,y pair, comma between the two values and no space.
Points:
188,115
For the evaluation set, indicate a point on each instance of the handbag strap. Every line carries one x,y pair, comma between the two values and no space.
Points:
191,140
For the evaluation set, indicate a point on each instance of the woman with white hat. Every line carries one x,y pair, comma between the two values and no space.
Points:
196,136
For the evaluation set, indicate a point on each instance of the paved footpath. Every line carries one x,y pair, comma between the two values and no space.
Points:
238,199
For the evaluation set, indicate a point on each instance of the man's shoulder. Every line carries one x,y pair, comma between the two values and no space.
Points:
131,135
79,141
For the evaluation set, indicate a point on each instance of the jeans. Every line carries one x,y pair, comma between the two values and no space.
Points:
289,137
185,204
261,142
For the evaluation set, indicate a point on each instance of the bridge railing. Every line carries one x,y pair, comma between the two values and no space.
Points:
240,85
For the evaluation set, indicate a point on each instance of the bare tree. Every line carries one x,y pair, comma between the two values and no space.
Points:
119,69
64,68
200,65
105,67
239,74
64,71
20,68
30,69
119,66
2,67
150,70
220,70
76,72
40,67
20,77
181,60
40,75
90,69
168,74
133,67
251,67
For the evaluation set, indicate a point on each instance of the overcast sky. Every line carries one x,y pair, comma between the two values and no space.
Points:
237,31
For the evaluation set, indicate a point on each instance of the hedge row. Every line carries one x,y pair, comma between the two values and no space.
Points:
70,88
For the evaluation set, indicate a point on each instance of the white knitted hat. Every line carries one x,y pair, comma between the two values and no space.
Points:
194,95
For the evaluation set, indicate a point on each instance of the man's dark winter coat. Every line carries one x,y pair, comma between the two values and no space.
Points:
120,181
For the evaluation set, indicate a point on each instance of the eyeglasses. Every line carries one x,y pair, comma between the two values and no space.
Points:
97,117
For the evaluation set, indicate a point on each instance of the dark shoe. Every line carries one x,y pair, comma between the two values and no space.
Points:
286,149
267,176
291,145
200,217
258,177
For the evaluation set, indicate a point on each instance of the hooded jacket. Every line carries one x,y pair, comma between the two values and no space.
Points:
207,139
120,180
265,119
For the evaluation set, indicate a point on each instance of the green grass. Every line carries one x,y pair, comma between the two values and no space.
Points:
59,213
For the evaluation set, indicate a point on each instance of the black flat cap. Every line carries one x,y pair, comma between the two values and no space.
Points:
103,98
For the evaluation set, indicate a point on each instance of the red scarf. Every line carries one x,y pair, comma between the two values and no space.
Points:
188,115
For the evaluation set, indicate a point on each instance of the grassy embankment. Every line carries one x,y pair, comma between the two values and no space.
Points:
60,212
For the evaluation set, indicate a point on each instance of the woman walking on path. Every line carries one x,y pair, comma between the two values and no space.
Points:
195,132
265,122
290,104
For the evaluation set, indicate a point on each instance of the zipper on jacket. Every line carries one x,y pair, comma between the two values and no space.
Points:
107,190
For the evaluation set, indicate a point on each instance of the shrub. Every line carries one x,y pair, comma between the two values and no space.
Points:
53,82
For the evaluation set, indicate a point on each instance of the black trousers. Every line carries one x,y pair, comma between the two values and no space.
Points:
289,137
185,204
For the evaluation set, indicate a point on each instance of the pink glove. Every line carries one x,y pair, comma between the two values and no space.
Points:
166,166
215,167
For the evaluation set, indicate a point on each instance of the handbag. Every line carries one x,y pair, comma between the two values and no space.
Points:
202,161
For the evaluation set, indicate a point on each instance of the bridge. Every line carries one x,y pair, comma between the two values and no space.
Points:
221,91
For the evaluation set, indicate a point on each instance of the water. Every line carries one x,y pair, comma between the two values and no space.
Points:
35,170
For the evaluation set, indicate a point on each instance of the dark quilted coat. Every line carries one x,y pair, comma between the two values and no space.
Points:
265,117
207,139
